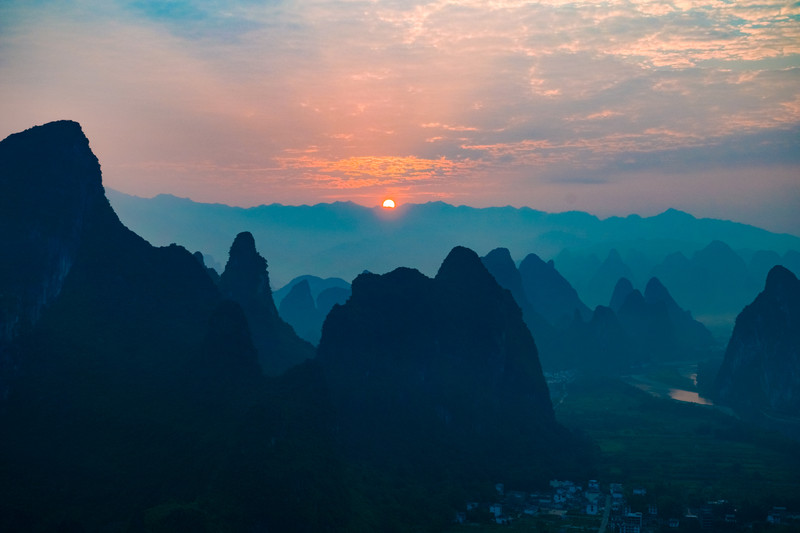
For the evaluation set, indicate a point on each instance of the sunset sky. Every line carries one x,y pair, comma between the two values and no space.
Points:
614,107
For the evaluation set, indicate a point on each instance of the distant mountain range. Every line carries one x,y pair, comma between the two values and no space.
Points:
713,267
634,328
342,239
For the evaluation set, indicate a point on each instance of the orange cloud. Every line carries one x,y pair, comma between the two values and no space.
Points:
368,171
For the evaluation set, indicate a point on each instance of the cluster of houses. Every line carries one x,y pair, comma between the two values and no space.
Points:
562,497
566,499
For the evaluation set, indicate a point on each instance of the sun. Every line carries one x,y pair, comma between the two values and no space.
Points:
388,203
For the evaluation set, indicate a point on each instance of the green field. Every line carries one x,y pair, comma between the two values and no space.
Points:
684,453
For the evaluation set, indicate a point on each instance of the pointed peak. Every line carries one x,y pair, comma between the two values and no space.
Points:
780,280
462,264
244,243
299,299
613,256
245,276
624,284
500,264
718,247
461,253
500,255
655,286
302,287
673,213
243,252
621,291
657,292
633,301
532,259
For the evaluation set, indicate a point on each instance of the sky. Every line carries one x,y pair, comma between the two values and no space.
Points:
614,107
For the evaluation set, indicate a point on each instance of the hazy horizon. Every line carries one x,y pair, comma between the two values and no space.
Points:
401,206
609,108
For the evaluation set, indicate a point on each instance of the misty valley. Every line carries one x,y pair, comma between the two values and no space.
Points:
620,375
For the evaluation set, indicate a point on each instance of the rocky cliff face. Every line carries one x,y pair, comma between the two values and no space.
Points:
690,335
136,373
246,281
442,371
500,265
761,369
549,293
50,193
49,185
622,290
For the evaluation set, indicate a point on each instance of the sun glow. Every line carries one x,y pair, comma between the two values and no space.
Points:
389,203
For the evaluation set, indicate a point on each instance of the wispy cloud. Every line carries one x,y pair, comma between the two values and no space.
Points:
484,101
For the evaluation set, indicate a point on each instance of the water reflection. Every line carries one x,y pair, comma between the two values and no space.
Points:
660,390
688,396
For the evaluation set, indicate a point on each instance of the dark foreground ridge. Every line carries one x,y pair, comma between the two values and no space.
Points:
761,370
245,280
134,400
449,358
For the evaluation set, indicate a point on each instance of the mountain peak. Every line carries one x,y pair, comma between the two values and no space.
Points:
634,303
614,258
63,129
761,369
244,243
500,265
462,265
439,368
499,255
677,214
245,275
246,281
50,192
657,292
780,280
717,248
550,294
54,157
621,291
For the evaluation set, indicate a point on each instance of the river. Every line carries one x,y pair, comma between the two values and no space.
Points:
661,390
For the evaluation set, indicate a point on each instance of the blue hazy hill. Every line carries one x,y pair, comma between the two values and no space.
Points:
343,239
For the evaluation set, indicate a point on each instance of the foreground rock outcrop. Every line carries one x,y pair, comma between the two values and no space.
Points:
761,369
245,280
441,372
132,396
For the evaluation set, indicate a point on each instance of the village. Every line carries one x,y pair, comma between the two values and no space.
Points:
568,506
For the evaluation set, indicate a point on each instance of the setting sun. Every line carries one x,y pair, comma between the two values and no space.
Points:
388,203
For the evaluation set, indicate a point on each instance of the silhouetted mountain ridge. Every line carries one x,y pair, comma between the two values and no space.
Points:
634,329
136,374
342,239
246,281
446,357
43,222
761,369
134,398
